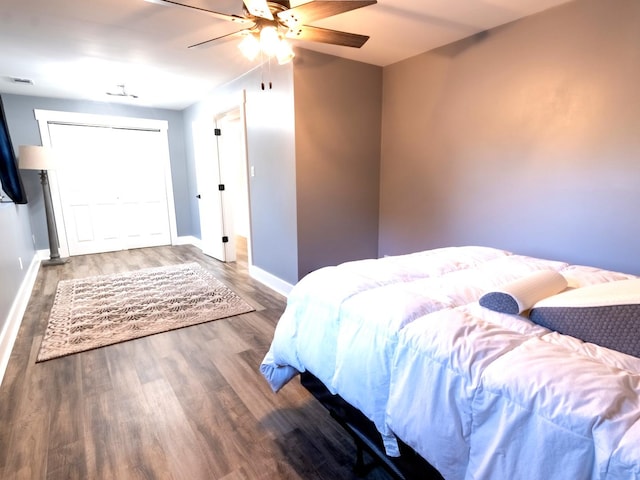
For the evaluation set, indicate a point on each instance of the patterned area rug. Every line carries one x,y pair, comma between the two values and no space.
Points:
98,311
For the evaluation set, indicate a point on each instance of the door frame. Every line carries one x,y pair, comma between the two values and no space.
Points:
225,105
229,207
240,106
45,117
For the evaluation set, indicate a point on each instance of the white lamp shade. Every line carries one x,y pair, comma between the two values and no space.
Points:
31,157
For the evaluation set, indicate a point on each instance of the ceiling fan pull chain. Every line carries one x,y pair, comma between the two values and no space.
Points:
262,70
262,79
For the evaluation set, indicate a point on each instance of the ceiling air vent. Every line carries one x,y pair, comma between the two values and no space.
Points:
24,81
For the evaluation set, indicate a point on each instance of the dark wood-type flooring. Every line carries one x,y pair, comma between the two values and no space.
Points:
186,404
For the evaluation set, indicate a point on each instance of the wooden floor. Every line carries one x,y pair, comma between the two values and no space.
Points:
187,404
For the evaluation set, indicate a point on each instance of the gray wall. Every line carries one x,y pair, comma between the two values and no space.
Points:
526,137
24,129
338,109
15,243
271,151
313,141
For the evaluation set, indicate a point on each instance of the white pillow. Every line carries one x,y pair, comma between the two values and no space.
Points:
601,294
520,295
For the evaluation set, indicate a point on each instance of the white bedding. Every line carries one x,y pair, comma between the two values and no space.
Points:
479,394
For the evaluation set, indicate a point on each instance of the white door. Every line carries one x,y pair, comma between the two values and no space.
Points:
142,196
209,196
111,188
233,169
222,183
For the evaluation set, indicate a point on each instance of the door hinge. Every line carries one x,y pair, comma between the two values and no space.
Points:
221,187
217,132
225,239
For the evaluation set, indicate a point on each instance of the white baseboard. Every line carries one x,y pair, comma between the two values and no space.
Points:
271,281
188,240
14,319
184,240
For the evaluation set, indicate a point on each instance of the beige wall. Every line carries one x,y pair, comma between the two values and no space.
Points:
526,137
338,105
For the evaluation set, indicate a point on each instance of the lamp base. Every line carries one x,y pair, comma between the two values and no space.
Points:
55,261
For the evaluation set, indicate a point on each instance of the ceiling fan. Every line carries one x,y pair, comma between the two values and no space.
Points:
269,22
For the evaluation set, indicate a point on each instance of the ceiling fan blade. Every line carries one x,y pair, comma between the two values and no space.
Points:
228,35
222,16
259,8
324,35
311,11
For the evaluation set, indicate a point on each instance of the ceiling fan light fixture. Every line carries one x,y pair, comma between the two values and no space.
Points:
269,20
284,53
250,46
269,40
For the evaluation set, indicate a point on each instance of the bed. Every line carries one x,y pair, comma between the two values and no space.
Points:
446,353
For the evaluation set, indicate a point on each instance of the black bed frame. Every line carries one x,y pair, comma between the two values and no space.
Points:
408,466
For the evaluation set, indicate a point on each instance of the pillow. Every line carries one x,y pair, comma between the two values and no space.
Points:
520,295
607,314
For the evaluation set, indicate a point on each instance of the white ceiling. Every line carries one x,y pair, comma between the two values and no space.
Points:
80,49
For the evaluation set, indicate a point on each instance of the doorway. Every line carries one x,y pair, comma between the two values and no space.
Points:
223,186
112,189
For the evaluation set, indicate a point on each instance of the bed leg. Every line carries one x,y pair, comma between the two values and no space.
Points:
359,468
